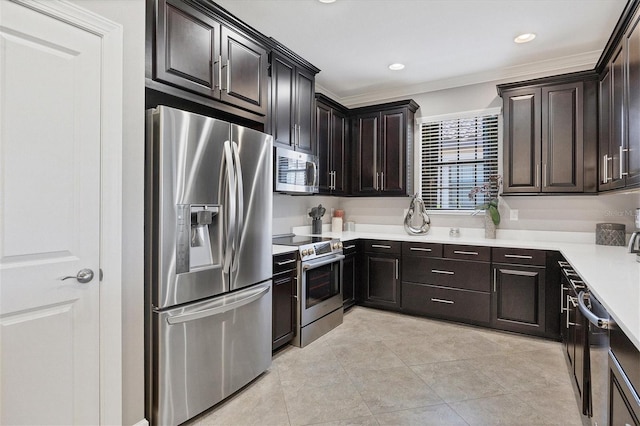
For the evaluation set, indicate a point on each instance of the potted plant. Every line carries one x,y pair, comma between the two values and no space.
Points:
491,189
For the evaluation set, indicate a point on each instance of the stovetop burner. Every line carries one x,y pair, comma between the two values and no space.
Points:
298,240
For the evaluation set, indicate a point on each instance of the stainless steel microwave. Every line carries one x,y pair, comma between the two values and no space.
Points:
295,172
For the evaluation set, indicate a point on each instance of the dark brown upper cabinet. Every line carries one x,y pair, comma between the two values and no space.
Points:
382,138
550,135
197,50
292,101
332,147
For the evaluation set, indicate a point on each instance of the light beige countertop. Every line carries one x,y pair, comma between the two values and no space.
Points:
280,249
612,274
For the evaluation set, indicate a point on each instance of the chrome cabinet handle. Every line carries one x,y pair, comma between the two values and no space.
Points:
380,246
84,276
537,175
381,181
562,307
228,75
286,262
375,185
518,256
605,168
544,174
438,271
470,253
348,247
420,249
622,151
495,278
220,71
448,302
397,268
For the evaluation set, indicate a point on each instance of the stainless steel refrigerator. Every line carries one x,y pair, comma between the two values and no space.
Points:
208,191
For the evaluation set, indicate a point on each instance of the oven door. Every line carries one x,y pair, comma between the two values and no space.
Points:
321,287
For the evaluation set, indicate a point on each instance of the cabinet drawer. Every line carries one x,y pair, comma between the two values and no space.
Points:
446,302
422,249
519,256
284,262
349,247
382,246
452,251
447,272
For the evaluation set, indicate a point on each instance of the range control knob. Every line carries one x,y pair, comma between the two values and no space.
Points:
335,246
340,245
305,252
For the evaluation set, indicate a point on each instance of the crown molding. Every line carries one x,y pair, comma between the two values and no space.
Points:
579,62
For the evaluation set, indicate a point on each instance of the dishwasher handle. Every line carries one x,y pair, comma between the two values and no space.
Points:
217,310
593,319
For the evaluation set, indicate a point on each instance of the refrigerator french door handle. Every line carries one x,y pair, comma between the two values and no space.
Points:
239,196
231,207
178,319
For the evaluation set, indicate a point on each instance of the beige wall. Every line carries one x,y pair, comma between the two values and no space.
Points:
566,213
131,15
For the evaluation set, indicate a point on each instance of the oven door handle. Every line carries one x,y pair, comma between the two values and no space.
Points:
593,319
313,264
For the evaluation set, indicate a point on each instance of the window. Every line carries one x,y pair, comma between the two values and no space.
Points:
457,154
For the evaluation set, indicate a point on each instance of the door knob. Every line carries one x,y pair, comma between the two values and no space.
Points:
83,277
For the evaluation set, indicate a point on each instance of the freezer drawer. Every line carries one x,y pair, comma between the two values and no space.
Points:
206,351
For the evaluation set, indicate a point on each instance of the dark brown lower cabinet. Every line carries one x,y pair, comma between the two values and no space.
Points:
518,298
284,299
449,303
381,280
349,275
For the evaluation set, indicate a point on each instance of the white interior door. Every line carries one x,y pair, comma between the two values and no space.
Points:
50,135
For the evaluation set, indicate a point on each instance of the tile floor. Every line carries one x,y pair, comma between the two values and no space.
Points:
382,368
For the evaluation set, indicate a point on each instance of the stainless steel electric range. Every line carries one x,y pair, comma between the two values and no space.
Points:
319,285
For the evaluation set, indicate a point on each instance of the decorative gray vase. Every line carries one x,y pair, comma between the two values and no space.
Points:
489,226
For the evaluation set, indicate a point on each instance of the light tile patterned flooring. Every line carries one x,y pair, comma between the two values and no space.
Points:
383,368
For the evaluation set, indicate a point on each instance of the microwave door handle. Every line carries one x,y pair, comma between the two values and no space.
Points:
231,207
239,197
593,319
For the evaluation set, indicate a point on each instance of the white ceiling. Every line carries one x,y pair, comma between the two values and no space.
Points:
443,43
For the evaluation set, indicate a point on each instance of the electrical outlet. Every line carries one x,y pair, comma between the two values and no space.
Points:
513,214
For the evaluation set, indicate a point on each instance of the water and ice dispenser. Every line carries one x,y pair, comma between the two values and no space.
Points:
198,237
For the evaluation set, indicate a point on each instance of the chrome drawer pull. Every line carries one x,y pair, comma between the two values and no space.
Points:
380,246
448,302
419,249
438,271
348,247
286,262
518,256
472,253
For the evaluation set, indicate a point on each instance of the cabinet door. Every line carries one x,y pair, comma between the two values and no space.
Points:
618,131
284,291
382,283
338,151
393,140
522,140
323,147
282,81
562,139
244,69
631,160
604,135
187,46
518,298
349,280
366,173
304,110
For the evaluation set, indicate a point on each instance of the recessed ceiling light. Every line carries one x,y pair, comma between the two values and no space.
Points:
327,1
524,38
396,67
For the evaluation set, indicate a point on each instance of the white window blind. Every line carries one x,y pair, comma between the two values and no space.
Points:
457,155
